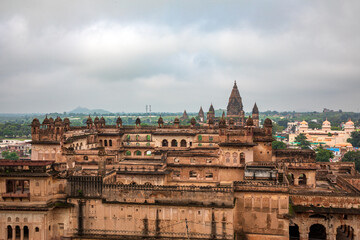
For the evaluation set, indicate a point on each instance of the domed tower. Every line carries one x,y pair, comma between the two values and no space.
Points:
201,115
89,122
304,127
235,106
35,129
268,126
184,116
46,122
211,114
58,129
349,127
160,122
176,122
138,122
102,122
97,122
255,115
326,126
66,124
119,122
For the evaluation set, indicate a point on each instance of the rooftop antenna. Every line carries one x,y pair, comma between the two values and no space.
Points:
150,113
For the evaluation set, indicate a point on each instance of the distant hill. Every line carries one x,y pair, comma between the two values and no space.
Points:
89,111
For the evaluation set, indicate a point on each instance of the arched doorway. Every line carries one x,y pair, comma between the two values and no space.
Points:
9,232
302,179
294,233
26,233
165,143
317,232
345,232
17,232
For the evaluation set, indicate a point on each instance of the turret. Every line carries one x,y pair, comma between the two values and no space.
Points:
211,115
160,122
176,123
255,115
119,122
268,126
89,122
102,122
97,122
35,128
138,122
201,115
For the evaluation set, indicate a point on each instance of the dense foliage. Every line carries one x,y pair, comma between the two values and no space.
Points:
303,143
14,130
278,145
323,155
10,155
355,139
352,156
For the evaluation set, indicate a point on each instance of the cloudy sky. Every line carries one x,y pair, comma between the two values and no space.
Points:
176,55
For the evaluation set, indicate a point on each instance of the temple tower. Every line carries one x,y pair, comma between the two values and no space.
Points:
255,115
235,106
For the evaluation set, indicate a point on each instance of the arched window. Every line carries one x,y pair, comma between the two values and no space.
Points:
137,137
105,143
209,175
86,158
128,153
26,233
9,219
242,158
183,143
148,153
174,143
101,143
110,142
37,229
17,232
302,179
138,153
128,137
294,232
165,143
227,157
199,138
235,155
148,137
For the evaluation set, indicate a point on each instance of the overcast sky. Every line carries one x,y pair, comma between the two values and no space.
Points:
176,55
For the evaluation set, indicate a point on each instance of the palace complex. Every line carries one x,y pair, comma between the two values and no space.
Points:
216,178
326,136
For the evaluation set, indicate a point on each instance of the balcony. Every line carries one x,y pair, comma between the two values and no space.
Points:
16,195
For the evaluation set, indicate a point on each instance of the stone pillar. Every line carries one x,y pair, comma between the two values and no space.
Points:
22,233
13,232
304,236
296,181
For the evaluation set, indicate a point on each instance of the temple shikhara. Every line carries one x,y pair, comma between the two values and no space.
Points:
216,178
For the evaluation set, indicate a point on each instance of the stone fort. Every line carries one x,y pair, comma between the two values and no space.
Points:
215,178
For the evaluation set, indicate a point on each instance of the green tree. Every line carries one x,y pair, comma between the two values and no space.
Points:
355,139
278,145
323,155
352,156
303,143
277,128
10,155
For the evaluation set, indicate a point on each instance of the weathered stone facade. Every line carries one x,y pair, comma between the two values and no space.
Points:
216,180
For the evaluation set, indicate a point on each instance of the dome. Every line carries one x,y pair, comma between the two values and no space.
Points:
249,122
349,123
119,120
46,121
304,123
89,120
51,120
268,122
58,120
176,121
193,121
138,121
66,120
326,123
35,122
160,120
102,120
96,120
